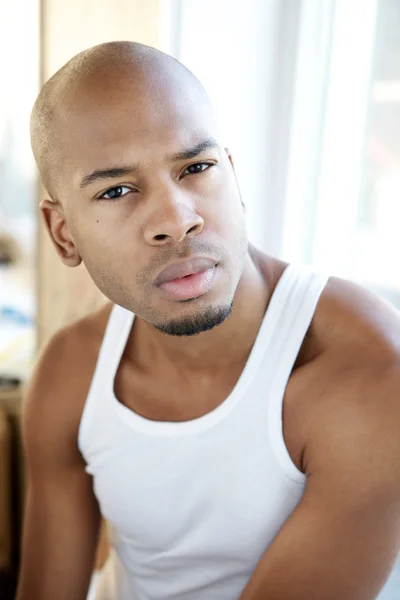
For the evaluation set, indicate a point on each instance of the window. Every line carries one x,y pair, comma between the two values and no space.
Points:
308,94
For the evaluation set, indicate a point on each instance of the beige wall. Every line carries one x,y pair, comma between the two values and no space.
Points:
67,27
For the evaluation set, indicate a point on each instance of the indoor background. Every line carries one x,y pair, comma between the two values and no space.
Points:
308,96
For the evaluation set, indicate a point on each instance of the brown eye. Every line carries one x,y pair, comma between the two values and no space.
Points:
197,168
115,193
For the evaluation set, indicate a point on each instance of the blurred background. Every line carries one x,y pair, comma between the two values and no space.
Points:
308,96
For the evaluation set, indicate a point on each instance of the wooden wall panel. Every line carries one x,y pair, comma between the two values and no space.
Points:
67,27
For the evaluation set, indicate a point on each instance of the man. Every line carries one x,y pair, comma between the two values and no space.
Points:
241,432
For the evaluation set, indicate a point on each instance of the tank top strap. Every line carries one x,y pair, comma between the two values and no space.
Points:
291,310
115,338
295,301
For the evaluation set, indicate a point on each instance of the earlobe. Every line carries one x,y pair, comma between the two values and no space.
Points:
56,225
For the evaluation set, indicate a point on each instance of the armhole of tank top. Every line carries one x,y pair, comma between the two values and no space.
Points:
104,369
294,323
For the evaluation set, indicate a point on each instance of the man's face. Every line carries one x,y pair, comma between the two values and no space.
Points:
152,206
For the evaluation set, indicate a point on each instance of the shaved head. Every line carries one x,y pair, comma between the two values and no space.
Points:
129,151
148,71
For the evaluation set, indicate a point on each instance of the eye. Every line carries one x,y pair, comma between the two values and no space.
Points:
116,193
197,168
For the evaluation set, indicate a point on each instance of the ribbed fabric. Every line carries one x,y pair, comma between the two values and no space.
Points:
193,506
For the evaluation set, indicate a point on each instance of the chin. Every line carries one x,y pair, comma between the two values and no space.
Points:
197,322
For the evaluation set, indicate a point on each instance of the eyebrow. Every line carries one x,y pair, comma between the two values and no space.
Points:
114,172
195,150
111,173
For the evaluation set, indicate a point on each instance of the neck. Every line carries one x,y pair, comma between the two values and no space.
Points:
225,344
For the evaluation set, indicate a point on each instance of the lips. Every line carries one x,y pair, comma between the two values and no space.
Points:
192,266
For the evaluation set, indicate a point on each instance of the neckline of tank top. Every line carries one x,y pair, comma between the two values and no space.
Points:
260,347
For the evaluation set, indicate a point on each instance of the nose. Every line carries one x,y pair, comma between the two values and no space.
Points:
173,223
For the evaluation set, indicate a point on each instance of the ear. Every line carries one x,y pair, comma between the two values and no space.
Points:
56,225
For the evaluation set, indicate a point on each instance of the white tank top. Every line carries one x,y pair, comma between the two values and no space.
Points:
192,506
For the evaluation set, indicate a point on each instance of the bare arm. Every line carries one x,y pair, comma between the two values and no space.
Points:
342,540
62,517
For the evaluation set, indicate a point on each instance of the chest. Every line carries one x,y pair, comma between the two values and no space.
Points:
216,489
207,493
164,397
168,400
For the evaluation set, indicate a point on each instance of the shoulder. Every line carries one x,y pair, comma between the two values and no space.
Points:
353,328
352,378
350,314
57,390
72,351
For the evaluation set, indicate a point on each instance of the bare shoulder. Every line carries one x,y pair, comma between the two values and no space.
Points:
55,396
349,314
353,329
349,379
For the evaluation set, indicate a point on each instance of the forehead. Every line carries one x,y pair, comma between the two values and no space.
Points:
133,125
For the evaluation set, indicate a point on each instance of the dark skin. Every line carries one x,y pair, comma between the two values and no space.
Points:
341,411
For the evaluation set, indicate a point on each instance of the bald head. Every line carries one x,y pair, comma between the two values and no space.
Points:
128,148
93,80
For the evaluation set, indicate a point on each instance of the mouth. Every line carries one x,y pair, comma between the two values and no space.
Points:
187,280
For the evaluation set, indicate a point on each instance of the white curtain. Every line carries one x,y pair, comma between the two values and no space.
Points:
291,82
